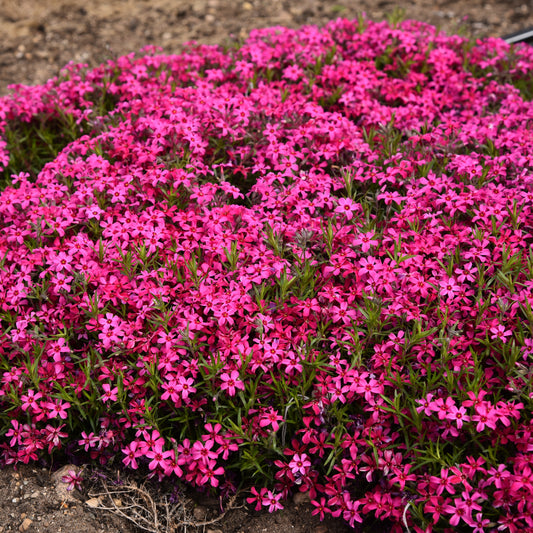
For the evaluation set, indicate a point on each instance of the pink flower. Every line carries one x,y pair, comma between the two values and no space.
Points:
443,482
300,464
499,332
523,479
131,453
426,405
202,451
272,502
435,507
15,433
271,418
402,476
466,273
184,386
496,476
60,262
342,313
347,207
449,287
152,441
470,501
457,414
57,408
172,465
110,394
54,436
185,453
369,388
225,314
214,433
444,406
485,416
231,382
257,497
321,508
209,473
74,479
475,399
458,512
29,401
369,265
158,456
171,392
350,513
481,524
365,240
309,306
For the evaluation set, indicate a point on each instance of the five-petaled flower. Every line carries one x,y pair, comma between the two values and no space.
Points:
110,394
231,381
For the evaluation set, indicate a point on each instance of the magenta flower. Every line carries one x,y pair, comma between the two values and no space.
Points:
231,382
257,497
131,452
320,508
500,333
347,207
74,479
15,433
172,392
485,417
300,464
57,408
110,394
435,507
449,287
458,415
184,386
459,512
365,240
272,502
29,401
271,418
54,436
209,473
202,451
158,457
172,466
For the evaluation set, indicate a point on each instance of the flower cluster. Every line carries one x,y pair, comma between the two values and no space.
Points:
303,262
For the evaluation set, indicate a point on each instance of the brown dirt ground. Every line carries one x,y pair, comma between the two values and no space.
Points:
40,37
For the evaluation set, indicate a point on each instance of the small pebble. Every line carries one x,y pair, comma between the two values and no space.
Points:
93,502
26,523
199,513
301,497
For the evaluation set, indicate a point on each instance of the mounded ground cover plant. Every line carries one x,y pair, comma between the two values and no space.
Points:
302,263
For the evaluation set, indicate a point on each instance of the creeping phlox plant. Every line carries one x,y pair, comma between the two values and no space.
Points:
301,263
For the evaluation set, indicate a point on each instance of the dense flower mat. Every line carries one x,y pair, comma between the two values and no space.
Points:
301,263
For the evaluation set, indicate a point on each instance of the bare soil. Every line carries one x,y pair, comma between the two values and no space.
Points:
34,499
38,39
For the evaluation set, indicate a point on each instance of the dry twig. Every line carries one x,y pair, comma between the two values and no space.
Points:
137,505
